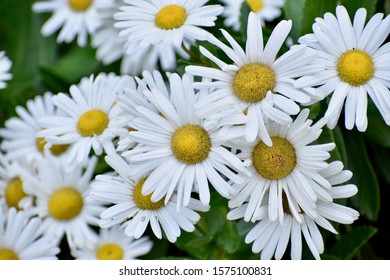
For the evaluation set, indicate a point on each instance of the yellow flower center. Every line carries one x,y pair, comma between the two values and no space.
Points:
109,251
144,201
355,67
55,149
274,162
7,254
65,204
191,144
14,192
80,5
92,122
253,81
255,5
171,17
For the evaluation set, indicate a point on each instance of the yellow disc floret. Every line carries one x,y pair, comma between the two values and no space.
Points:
255,5
274,162
171,17
54,149
80,5
92,122
191,144
144,201
7,254
14,192
65,204
253,81
355,67
109,251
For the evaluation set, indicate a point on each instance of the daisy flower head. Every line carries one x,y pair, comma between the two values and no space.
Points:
134,211
12,185
180,150
290,166
5,66
256,83
74,18
20,141
170,22
93,118
272,237
266,10
61,200
356,63
20,240
113,244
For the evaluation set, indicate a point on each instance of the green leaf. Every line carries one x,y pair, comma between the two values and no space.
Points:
244,13
367,199
293,9
353,5
377,129
351,242
229,237
313,9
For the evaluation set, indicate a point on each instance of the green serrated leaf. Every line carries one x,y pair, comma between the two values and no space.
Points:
367,199
351,242
229,237
353,5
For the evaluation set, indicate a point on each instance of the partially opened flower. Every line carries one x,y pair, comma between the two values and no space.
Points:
113,244
257,84
19,134
92,118
61,200
134,211
179,150
5,66
290,166
170,21
356,63
21,239
272,237
265,10
74,18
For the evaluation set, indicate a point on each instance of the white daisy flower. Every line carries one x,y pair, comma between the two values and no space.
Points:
93,118
12,193
356,65
266,10
134,211
113,244
61,200
257,83
19,137
74,17
169,21
272,237
290,166
20,238
180,150
111,47
5,66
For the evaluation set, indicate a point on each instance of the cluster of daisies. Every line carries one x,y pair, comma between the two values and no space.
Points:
236,127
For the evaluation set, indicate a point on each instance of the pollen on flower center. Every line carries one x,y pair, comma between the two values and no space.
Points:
65,204
144,201
191,144
255,5
355,67
14,192
80,5
253,81
92,122
109,251
274,162
171,17
54,149
7,254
